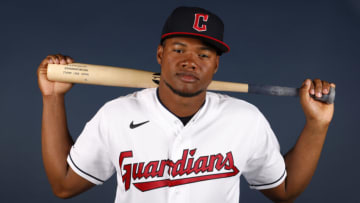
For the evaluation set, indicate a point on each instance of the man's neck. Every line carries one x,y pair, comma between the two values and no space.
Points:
179,105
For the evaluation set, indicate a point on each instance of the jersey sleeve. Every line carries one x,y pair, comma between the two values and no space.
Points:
89,156
265,167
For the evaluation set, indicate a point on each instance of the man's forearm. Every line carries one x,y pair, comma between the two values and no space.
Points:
301,161
56,141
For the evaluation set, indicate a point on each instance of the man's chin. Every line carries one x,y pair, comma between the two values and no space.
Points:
187,94
184,93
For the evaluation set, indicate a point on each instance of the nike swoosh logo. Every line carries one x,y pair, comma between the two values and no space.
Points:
132,125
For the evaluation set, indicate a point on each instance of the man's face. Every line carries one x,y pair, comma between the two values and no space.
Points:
187,65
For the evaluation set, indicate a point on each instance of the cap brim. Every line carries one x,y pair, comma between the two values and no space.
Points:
218,44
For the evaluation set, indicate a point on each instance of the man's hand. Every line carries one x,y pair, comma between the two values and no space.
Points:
316,112
302,159
49,88
55,137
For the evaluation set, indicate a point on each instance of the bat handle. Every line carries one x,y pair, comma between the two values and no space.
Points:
327,98
288,91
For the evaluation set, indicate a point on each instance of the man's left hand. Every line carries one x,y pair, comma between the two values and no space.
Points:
316,111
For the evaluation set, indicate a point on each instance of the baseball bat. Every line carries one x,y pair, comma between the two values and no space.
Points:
126,77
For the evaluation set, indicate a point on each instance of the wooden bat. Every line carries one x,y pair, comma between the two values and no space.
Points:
126,77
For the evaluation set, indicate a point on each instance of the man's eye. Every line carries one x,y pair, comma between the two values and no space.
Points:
178,51
204,56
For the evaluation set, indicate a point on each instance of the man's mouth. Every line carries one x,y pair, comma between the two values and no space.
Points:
187,77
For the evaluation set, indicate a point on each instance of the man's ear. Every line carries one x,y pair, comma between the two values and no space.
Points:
217,63
159,53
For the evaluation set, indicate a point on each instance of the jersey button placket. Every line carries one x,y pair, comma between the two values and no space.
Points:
176,154
176,145
179,126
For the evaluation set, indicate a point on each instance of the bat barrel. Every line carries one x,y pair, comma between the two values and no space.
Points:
100,75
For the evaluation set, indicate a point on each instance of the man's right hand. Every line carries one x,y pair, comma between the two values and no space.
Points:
50,88
55,138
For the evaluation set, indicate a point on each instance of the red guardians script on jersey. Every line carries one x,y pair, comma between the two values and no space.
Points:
183,171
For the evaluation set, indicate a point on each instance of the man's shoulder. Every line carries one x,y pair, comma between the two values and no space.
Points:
231,104
235,109
224,99
131,100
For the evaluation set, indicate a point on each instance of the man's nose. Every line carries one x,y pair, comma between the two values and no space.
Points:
189,62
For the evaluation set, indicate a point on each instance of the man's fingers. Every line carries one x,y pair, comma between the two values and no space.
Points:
53,59
312,88
61,58
326,87
48,60
57,59
69,59
306,86
318,88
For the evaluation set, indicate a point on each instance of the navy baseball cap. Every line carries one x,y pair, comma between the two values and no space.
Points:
196,22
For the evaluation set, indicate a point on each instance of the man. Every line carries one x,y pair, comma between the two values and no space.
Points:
178,142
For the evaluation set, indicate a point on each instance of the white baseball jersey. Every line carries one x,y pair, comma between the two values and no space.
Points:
158,159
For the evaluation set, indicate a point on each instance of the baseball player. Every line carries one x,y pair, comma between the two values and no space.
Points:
178,142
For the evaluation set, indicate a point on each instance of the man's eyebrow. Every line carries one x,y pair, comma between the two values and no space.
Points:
206,48
203,47
179,43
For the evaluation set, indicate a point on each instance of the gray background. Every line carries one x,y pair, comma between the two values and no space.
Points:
272,42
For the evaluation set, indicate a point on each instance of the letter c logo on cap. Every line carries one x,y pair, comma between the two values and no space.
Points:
196,25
